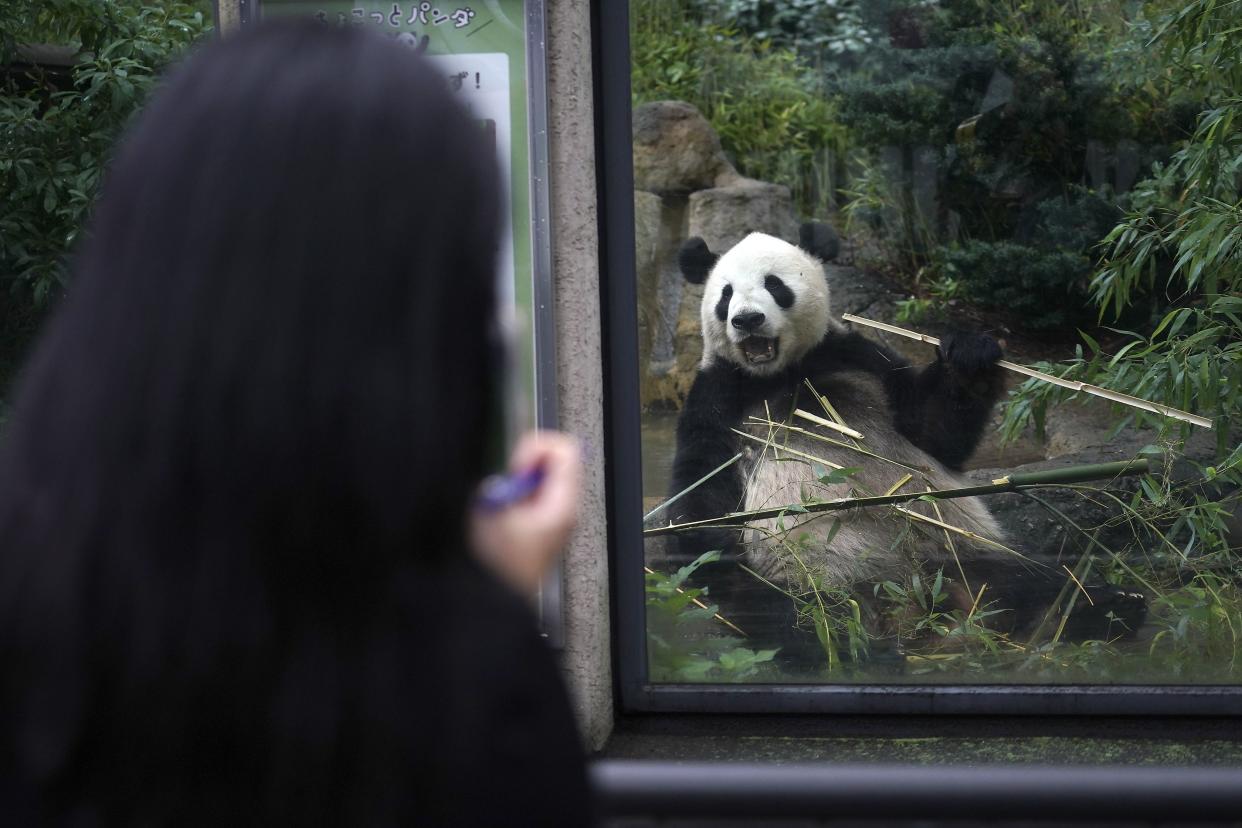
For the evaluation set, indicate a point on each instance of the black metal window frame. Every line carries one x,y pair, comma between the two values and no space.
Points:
614,153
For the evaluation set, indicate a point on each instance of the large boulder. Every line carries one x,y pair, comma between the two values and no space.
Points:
647,210
723,216
676,150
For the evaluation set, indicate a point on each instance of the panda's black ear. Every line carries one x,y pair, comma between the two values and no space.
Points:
819,240
695,260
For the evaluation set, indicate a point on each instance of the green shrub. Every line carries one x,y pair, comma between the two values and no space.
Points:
1041,278
769,108
685,641
1181,239
1043,289
815,27
985,119
56,131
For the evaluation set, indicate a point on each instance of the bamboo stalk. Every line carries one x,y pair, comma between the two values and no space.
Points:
1073,385
824,404
966,533
1095,471
903,481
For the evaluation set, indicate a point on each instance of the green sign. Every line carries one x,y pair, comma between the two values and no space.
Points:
482,50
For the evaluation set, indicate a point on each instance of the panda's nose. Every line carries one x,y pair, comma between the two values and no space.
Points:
748,321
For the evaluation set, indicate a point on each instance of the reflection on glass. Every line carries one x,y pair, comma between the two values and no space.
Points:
1016,182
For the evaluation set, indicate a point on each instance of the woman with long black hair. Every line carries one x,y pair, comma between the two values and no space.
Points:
235,581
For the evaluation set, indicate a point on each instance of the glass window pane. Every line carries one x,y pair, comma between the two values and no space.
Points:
1053,185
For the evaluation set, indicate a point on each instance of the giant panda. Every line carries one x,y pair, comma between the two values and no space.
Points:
768,330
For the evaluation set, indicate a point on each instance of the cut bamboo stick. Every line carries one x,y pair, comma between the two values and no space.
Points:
1073,385
769,424
777,448
806,415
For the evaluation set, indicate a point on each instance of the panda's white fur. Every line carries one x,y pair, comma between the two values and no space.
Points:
745,267
867,544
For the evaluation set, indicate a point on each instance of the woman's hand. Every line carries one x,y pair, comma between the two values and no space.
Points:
520,541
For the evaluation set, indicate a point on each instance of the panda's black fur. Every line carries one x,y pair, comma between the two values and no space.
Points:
931,418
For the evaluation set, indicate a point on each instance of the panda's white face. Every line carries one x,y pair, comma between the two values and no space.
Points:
765,305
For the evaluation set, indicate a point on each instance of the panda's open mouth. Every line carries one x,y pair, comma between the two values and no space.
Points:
758,349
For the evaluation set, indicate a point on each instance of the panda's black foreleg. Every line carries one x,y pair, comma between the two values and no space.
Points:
704,443
944,408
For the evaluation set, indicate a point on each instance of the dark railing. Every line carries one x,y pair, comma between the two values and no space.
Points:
705,790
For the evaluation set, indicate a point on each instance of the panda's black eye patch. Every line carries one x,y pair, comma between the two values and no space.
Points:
779,290
722,307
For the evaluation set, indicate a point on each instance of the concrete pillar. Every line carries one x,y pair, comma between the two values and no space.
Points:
587,657
228,15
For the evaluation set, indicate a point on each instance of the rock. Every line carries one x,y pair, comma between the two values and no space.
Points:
852,291
647,208
1037,532
1080,424
1044,536
662,304
676,150
724,216
646,231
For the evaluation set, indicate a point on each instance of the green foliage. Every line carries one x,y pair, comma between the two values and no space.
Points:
936,636
982,120
1199,623
941,293
1042,278
1183,239
815,27
685,641
1042,287
57,129
769,108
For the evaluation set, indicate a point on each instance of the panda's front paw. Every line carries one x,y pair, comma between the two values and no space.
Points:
970,354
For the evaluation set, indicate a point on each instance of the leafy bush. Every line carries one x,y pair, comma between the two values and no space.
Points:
1182,238
1042,288
982,121
56,132
813,26
684,642
769,108
941,293
1186,214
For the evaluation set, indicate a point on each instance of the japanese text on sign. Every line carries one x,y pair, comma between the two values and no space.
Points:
420,14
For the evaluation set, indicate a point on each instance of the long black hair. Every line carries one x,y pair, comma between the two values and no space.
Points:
242,451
